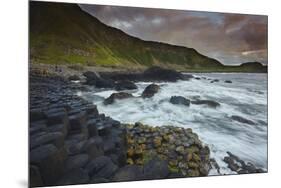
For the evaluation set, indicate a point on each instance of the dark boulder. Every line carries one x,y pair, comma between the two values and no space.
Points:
209,103
91,75
93,78
187,76
103,83
156,169
73,78
215,80
150,91
129,173
179,100
125,85
101,167
238,165
227,81
242,120
161,74
113,97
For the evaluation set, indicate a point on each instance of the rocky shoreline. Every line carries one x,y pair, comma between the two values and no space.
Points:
71,143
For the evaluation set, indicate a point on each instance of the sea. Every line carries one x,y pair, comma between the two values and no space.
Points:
246,97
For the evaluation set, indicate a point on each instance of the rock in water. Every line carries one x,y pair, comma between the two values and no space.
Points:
242,120
93,78
73,78
91,75
209,103
179,100
125,85
161,74
150,91
228,81
114,96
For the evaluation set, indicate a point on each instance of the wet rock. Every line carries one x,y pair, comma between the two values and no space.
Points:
74,78
215,165
238,165
150,91
187,76
101,167
227,81
179,100
125,85
215,80
242,120
129,173
209,103
91,75
231,163
93,78
74,176
161,74
117,96
102,83
156,169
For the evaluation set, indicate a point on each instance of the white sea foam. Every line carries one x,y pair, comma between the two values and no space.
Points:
245,97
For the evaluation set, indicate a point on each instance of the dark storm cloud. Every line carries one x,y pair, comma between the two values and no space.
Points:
230,38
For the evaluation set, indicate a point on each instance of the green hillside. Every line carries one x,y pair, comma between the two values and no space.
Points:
62,33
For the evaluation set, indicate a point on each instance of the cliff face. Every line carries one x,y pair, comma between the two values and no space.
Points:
63,33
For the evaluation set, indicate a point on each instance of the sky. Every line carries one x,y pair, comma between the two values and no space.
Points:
230,38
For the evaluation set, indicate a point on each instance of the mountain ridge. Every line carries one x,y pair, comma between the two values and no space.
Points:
62,33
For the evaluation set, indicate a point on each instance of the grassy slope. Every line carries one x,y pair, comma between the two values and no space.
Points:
63,33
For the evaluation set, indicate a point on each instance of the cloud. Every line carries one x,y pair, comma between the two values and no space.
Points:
226,37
